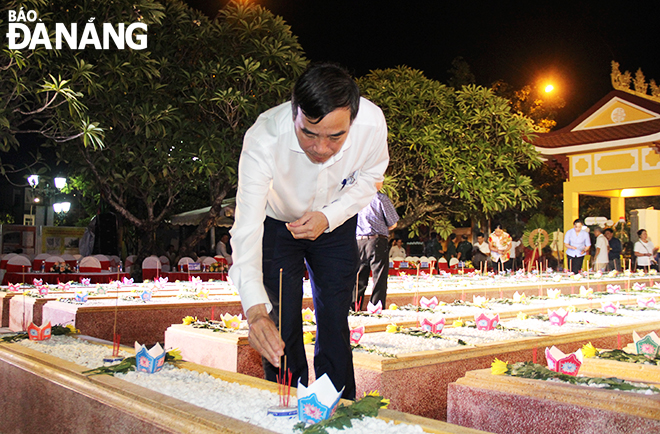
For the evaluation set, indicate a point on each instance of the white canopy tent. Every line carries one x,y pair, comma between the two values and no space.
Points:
194,217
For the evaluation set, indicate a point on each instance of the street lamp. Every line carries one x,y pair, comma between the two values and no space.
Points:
44,190
62,207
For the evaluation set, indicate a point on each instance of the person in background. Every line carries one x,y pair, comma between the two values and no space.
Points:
513,253
480,252
397,250
499,244
434,247
171,256
644,251
577,244
464,249
613,251
600,256
375,221
451,248
221,248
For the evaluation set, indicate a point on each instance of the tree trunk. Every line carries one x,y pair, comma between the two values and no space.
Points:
147,247
205,225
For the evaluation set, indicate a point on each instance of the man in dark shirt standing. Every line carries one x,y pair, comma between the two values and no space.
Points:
373,226
614,253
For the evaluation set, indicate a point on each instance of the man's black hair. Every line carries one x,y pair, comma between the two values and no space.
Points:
323,88
481,234
577,221
609,230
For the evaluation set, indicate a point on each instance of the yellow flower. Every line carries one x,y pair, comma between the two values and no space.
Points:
308,315
384,402
72,328
499,367
393,306
175,353
189,320
458,323
522,316
570,308
308,338
392,328
589,350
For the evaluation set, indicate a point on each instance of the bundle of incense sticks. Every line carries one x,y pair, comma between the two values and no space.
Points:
115,345
284,385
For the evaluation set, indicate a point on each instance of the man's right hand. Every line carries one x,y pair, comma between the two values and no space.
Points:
264,336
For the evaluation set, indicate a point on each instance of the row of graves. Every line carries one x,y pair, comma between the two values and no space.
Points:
455,353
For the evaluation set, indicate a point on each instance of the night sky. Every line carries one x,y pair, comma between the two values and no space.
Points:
533,42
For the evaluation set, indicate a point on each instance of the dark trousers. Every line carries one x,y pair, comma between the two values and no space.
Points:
374,257
614,264
332,264
575,263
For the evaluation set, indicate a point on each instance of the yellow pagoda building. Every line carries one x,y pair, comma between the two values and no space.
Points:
612,151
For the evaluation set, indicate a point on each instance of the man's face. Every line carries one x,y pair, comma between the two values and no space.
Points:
480,240
608,235
324,139
578,227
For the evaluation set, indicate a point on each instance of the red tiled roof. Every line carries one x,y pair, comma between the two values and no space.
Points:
566,137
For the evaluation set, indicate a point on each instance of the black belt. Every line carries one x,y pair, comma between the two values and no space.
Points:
369,237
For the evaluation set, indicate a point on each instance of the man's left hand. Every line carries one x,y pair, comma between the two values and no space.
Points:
309,226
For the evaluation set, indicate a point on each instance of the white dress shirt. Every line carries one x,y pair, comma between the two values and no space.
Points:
277,179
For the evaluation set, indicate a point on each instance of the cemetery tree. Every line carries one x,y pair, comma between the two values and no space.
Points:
174,113
454,153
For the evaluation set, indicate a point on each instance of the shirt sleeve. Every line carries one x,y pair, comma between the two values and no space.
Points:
359,196
391,216
254,178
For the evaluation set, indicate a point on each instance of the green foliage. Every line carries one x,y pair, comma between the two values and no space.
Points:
172,116
532,102
453,153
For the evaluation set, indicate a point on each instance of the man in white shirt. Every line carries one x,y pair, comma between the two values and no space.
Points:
576,243
307,167
601,258
221,249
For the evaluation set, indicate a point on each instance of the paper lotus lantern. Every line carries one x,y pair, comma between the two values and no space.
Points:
42,289
479,300
128,281
428,303
519,298
613,289
145,295
584,292
646,301
433,326
308,315
85,281
487,321
557,317
609,307
598,274
81,296
639,286
554,293
15,287
648,345
64,286
375,309
39,333
568,364
356,335
37,282
318,401
556,278
149,361
232,321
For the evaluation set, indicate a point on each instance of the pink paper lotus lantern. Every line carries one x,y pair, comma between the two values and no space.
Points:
568,364
43,289
356,335
609,307
613,289
428,303
15,287
37,282
64,286
39,333
85,281
646,301
128,282
433,327
375,309
639,286
557,317
487,321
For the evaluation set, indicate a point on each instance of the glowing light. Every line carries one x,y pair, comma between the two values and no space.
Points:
60,183
549,88
33,180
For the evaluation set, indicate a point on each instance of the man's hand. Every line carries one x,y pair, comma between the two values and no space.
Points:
309,226
264,336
